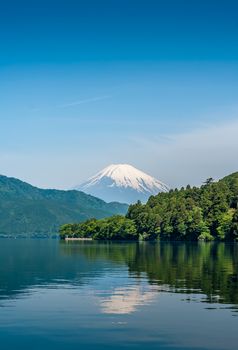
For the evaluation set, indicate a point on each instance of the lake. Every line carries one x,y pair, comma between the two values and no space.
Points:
95,295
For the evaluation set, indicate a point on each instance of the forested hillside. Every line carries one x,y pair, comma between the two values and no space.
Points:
28,210
206,213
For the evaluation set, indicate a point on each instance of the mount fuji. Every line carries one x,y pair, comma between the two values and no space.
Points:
122,183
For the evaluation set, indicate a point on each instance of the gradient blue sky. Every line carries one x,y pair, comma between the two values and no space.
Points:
87,83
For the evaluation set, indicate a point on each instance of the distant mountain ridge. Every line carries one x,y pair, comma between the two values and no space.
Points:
122,183
25,209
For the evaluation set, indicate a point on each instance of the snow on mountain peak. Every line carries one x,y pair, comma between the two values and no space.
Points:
122,182
125,175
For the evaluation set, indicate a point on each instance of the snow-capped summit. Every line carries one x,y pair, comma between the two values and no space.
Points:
122,183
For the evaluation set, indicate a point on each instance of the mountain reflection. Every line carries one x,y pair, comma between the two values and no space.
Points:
200,268
125,300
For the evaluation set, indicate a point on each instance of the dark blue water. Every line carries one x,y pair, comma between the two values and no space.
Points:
56,295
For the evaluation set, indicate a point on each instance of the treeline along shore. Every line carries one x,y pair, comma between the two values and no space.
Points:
207,213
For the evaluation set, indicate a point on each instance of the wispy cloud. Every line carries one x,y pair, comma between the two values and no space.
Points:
80,102
71,104
193,156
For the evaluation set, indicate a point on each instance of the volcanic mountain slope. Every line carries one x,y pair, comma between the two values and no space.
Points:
27,210
122,183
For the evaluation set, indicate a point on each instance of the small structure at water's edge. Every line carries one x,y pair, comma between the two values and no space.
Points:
77,239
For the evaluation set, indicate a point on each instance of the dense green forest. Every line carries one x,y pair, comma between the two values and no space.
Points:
206,213
26,210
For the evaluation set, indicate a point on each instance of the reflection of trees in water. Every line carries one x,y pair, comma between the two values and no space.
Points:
120,253
209,268
28,263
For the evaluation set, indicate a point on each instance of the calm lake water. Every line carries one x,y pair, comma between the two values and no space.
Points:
89,295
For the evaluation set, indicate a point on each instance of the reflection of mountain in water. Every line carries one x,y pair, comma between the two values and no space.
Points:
205,268
210,269
125,300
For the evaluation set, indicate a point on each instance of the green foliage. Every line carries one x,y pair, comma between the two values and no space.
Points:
206,213
224,224
234,226
205,235
116,228
113,228
27,210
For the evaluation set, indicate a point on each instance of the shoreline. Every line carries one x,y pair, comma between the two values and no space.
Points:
77,239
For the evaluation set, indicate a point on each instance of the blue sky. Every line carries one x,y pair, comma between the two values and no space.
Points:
87,83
